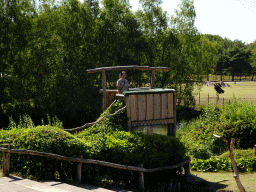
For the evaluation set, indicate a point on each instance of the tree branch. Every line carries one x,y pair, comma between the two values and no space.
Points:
231,155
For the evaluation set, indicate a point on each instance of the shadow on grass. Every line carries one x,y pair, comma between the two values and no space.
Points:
180,184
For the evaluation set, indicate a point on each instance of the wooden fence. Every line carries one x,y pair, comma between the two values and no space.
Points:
7,153
216,100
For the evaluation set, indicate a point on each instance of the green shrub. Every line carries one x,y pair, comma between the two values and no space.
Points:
216,164
235,120
108,124
106,141
238,153
112,143
211,165
199,151
46,139
128,148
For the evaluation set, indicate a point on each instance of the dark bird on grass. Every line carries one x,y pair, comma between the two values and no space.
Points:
217,86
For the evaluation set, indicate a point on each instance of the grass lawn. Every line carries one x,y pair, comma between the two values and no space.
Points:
226,181
241,90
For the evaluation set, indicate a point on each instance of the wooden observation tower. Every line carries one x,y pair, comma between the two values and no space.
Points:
149,110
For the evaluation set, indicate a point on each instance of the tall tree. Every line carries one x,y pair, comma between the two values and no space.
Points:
190,63
15,32
252,58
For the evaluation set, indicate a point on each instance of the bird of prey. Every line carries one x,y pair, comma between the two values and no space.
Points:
217,86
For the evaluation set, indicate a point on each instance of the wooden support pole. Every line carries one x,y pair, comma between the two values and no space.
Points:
152,79
208,98
104,87
187,166
170,185
141,180
171,129
255,150
79,170
199,98
168,129
6,161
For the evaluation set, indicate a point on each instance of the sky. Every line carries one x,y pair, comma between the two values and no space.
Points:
233,19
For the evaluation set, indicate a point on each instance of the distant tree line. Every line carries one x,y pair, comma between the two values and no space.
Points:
47,46
234,58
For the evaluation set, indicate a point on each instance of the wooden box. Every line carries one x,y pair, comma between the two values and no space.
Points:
149,108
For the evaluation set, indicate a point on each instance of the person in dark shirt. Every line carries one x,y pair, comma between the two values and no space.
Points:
122,84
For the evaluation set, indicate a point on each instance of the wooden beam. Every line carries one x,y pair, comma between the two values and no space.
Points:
104,86
152,79
160,68
98,162
126,68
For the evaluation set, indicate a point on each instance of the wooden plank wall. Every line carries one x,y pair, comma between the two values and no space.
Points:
150,106
142,107
170,105
133,100
157,102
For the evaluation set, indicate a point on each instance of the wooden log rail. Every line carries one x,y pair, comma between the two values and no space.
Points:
7,151
147,68
87,124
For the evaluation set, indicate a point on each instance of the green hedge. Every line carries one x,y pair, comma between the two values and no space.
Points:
107,141
215,164
114,144
46,139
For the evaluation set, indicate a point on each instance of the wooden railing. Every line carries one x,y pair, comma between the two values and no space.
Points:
7,153
87,124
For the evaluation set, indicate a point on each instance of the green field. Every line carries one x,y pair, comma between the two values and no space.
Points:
241,90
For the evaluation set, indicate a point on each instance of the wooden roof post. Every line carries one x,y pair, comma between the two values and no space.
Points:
104,86
152,79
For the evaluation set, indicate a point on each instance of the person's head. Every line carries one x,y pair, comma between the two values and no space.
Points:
122,75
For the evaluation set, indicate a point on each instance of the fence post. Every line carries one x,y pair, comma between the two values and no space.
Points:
6,161
79,170
187,167
141,180
199,98
255,149
208,98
